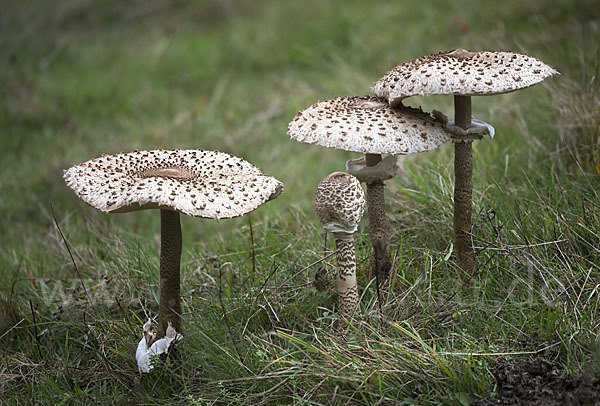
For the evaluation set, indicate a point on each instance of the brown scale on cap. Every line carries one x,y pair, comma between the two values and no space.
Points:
367,125
462,72
340,204
194,182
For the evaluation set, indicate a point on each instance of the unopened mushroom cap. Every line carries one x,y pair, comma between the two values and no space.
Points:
367,125
194,182
461,72
339,202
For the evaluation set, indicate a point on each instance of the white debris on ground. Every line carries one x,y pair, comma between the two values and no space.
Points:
145,352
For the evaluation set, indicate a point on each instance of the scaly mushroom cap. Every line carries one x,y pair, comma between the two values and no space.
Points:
462,72
194,182
339,202
367,125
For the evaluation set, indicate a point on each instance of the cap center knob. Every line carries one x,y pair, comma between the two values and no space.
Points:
368,104
173,172
461,53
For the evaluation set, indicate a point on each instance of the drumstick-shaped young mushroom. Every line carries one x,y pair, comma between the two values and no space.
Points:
340,204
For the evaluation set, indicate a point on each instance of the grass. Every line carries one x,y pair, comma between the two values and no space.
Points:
82,78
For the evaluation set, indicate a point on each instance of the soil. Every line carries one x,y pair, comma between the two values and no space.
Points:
538,382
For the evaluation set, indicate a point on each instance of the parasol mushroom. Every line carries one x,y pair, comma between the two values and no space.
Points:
463,74
370,126
340,204
197,182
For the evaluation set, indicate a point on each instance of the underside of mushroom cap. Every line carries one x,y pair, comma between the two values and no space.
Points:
339,202
461,72
367,125
197,182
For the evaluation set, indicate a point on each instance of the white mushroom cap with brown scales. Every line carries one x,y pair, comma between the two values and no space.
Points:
195,182
462,72
368,125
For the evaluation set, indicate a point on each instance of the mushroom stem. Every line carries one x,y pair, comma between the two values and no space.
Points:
346,274
170,257
463,187
378,221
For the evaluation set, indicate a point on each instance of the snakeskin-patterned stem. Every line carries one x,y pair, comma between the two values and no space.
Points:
170,257
378,221
463,188
346,274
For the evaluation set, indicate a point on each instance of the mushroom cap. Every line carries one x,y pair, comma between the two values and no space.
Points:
339,202
195,182
461,72
368,125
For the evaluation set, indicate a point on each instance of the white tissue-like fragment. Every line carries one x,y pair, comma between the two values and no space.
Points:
384,170
145,353
477,127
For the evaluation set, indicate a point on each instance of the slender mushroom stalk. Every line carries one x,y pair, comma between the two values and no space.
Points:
340,204
346,275
463,74
198,183
370,126
169,310
378,225
463,186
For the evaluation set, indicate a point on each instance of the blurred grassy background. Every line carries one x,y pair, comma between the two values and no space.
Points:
83,78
